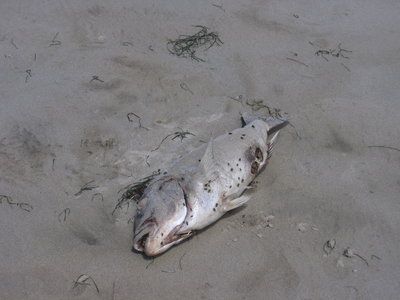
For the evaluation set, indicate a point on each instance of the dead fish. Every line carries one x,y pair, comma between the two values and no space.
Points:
174,207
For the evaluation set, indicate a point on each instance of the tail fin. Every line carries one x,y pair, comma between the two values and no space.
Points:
274,122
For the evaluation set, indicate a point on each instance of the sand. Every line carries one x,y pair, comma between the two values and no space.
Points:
63,128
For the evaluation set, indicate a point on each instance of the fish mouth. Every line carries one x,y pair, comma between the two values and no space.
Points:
143,240
172,239
142,232
141,237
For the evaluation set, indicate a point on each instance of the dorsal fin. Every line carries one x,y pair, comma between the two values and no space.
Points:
274,122
208,165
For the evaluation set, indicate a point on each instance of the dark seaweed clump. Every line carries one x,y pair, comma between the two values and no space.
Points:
186,45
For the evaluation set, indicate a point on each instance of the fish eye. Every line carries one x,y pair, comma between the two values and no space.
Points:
259,154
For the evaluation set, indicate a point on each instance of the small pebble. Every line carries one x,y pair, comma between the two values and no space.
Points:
302,227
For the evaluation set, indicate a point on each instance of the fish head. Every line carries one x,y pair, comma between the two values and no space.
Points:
161,213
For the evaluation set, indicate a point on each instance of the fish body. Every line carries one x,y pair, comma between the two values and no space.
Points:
175,206
229,165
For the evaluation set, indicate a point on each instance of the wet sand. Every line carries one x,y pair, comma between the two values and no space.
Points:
72,71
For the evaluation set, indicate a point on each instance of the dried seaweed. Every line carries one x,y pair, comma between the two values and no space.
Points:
219,6
85,187
130,119
181,134
62,216
96,78
180,261
12,43
54,41
384,147
85,280
134,191
337,52
22,205
187,45
185,87
257,104
29,75
346,67
297,61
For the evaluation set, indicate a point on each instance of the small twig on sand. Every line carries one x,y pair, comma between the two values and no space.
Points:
130,119
12,43
84,280
22,205
55,42
150,263
237,98
185,88
297,61
349,252
180,261
96,78
385,147
346,67
295,130
29,74
376,257
65,213
322,53
218,6
169,271
85,187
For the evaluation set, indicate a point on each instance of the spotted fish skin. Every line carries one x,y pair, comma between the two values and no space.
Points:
230,164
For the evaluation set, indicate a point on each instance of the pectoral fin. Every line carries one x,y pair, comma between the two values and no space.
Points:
235,203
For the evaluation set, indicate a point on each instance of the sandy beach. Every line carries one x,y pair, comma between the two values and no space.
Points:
88,90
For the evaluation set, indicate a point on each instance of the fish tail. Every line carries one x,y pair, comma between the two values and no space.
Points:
274,123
